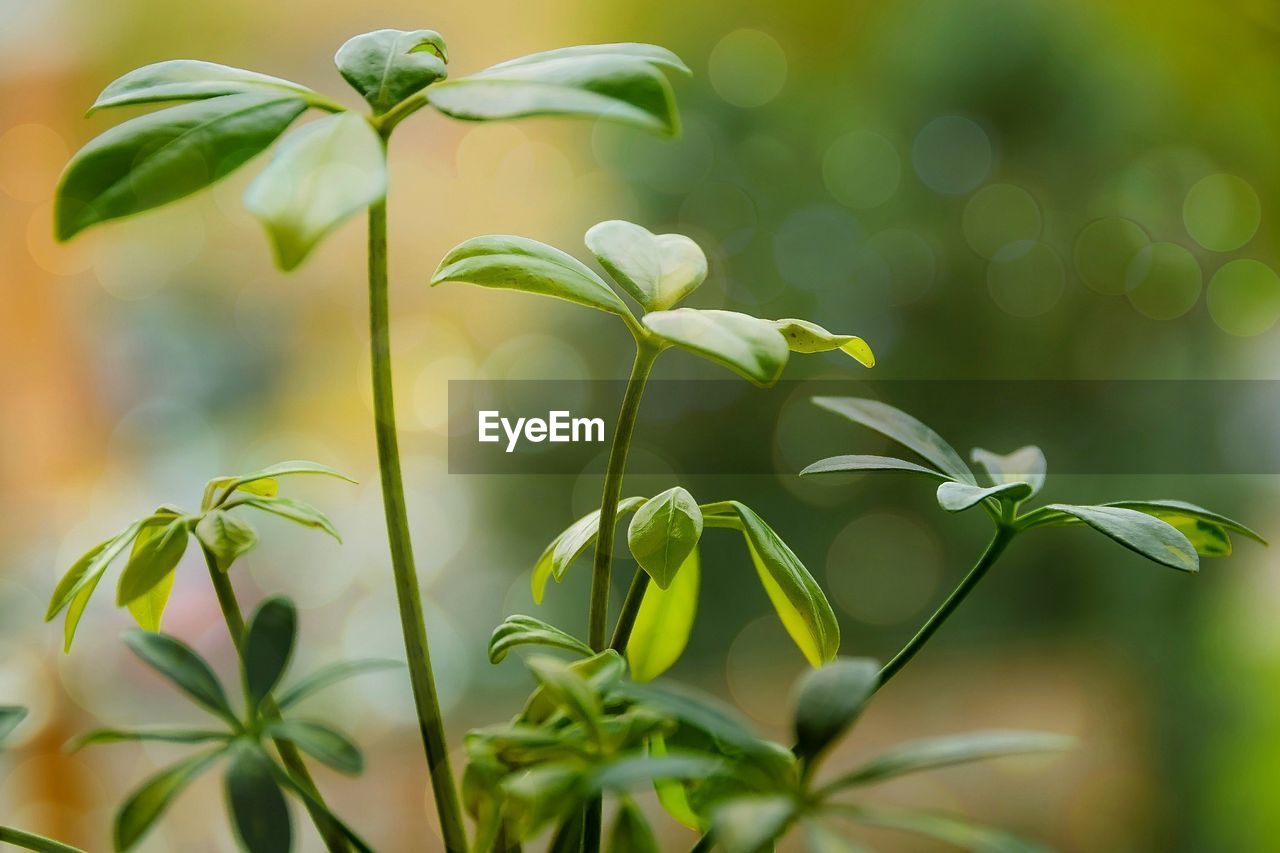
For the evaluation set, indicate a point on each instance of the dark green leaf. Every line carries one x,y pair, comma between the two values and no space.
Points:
106,736
695,709
145,805
268,644
192,80
904,429
226,537
568,837
387,66
943,828
156,552
10,716
829,700
163,156
747,345
664,532
294,510
315,806
664,622
1137,531
177,662
752,824
805,337
957,497
256,803
658,270
521,630
329,675
631,832
322,743
853,463
1190,519
1024,465
570,545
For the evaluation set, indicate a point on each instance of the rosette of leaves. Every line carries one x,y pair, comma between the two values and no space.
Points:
255,780
1171,533
157,542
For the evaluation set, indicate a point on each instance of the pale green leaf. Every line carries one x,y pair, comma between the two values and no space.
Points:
569,545
829,700
806,337
519,630
752,824
658,270
330,675
933,753
957,497
751,347
671,792
664,532
1024,465
192,80
157,549
855,463
1139,532
387,66
664,622
950,830
904,429
145,805
226,537
294,510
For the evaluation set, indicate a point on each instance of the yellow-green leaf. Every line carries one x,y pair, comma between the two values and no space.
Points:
664,622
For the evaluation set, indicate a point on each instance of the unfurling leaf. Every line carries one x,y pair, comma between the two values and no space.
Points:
257,805
664,622
520,630
387,66
162,156
664,532
751,347
957,497
268,644
10,716
1024,465
803,336
148,577
226,537
1137,531
904,429
631,832
932,753
319,176
187,670
517,263
322,743
829,701
657,270
752,824
855,463
192,80
570,545
145,805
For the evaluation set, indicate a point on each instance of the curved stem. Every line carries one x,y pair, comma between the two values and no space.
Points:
412,623
630,609
1003,536
31,841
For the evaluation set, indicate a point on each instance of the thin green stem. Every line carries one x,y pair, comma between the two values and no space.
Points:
630,609
1003,536
412,623
31,841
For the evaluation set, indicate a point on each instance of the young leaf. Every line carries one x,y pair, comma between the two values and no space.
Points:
543,795
957,497
600,673
664,622
631,832
569,545
268,644
387,66
694,709
226,537
162,156
619,83
806,337
671,792
517,263
652,53
145,805
904,429
657,270
845,464
256,803
322,743
1137,531
664,532
294,510
629,771
10,716
747,345
264,481
191,80
148,576
177,662
330,675
978,839
320,175
1024,465
567,689
86,570
829,700
752,824
521,630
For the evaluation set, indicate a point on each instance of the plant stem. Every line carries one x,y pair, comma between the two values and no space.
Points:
630,609
646,354
1003,536
412,623
31,841
334,840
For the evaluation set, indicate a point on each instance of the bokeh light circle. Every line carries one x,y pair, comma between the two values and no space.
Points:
748,68
883,568
998,215
816,248
1163,281
1222,212
952,155
1103,251
1026,279
1244,297
861,169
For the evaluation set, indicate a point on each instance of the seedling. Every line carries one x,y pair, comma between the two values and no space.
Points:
1171,533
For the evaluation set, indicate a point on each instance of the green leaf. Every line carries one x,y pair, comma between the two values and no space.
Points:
316,806
943,828
568,837
541,795
599,673
664,622
932,753
671,792
566,689
86,571
1207,530
904,429
629,771
751,347
821,839
631,832
192,80
322,743
268,644
829,701
226,537
387,66
1137,531
519,630
256,803
157,549
264,481
1024,465
694,709
294,510
570,544
664,532
145,805
613,82
320,175
957,497
163,156
10,717
752,824
658,270
518,263
177,662
31,841
845,464
805,337
100,737
329,675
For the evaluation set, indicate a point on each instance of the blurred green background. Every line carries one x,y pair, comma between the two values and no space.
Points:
982,189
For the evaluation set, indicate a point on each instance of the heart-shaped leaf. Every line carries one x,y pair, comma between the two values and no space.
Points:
1137,531
829,700
157,549
192,80
658,270
614,82
321,742
803,336
258,809
145,805
664,532
226,537
904,429
664,622
521,630
177,662
387,66
1024,465
957,497
854,463
268,645
320,175
751,347
517,263
163,156
570,545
